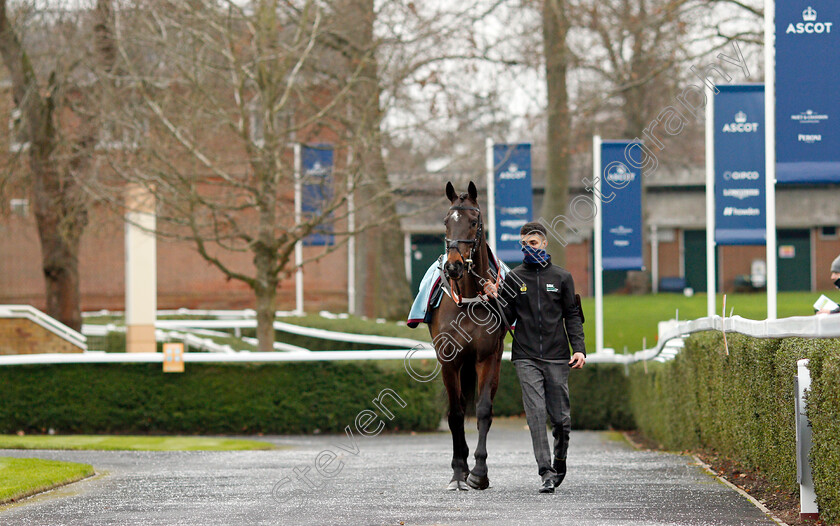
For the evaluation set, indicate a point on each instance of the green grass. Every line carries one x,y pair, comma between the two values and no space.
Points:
627,319
21,477
130,443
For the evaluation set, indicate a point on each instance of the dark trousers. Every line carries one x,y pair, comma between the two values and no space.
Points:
545,389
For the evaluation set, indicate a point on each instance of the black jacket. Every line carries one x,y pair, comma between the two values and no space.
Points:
541,299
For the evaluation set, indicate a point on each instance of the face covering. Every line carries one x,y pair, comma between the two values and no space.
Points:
837,283
534,255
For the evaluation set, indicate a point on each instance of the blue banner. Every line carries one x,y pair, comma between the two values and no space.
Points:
807,105
316,189
621,217
514,197
739,165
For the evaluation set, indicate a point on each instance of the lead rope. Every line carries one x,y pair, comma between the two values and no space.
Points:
496,298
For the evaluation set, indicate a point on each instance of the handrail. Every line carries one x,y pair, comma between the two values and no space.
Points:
817,326
51,324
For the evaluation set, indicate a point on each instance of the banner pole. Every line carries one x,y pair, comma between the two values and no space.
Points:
770,152
351,241
596,234
299,243
491,194
711,287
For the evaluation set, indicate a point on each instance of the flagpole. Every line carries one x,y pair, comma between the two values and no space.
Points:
711,287
596,235
770,152
491,194
351,241
299,243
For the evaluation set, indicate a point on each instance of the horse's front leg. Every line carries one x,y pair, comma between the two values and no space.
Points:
488,382
460,449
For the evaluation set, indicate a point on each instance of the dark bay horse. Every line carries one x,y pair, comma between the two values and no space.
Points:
468,335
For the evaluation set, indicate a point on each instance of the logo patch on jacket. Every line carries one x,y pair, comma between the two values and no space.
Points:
523,288
550,287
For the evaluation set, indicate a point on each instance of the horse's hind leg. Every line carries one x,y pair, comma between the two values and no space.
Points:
460,449
488,382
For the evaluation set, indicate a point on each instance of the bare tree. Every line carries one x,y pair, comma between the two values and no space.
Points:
218,93
55,99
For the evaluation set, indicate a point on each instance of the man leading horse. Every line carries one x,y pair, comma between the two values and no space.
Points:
540,297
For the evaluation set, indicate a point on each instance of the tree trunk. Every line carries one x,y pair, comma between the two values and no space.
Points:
383,288
60,203
265,289
555,201
266,307
60,262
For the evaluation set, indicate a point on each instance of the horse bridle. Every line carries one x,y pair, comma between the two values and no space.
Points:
452,244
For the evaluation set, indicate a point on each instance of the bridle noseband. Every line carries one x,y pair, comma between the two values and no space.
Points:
452,244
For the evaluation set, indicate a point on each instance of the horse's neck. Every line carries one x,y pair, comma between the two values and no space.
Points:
482,262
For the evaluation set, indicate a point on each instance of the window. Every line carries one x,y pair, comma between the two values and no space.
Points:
19,207
256,126
120,136
17,132
828,232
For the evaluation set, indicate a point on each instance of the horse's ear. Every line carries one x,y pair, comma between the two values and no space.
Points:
450,192
473,192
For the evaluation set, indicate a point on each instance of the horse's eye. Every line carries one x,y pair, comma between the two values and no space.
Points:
474,223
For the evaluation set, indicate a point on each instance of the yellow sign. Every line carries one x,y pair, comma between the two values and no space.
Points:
173,357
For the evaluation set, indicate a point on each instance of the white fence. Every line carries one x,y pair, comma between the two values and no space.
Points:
670,341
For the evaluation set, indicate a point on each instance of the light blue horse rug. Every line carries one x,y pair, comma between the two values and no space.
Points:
431,290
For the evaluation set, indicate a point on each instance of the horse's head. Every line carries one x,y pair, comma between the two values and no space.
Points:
463,230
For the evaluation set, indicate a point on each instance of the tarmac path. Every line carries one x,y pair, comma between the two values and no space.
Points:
387,479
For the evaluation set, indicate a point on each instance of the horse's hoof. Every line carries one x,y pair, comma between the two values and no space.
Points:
477,482
457,485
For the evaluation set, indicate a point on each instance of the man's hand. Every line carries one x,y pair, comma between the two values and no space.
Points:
490,288
577,360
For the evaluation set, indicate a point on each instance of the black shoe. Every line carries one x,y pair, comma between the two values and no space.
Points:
547,485
560,468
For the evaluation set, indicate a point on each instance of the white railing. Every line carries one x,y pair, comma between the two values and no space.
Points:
51,324
818,326
670,342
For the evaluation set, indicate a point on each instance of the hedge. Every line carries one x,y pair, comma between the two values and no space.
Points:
598,393
267,398
742,405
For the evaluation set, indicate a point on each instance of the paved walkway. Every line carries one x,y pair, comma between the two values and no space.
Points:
389,480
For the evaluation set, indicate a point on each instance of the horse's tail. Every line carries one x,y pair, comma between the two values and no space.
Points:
469,379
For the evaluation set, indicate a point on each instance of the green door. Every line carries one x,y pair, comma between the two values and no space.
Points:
425,249
612,280
694,250
794,259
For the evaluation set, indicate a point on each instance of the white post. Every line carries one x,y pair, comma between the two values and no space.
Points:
807,497
491,194
710,202
596,234
770,151
407,254
299,244
351,242
140,270
654,259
